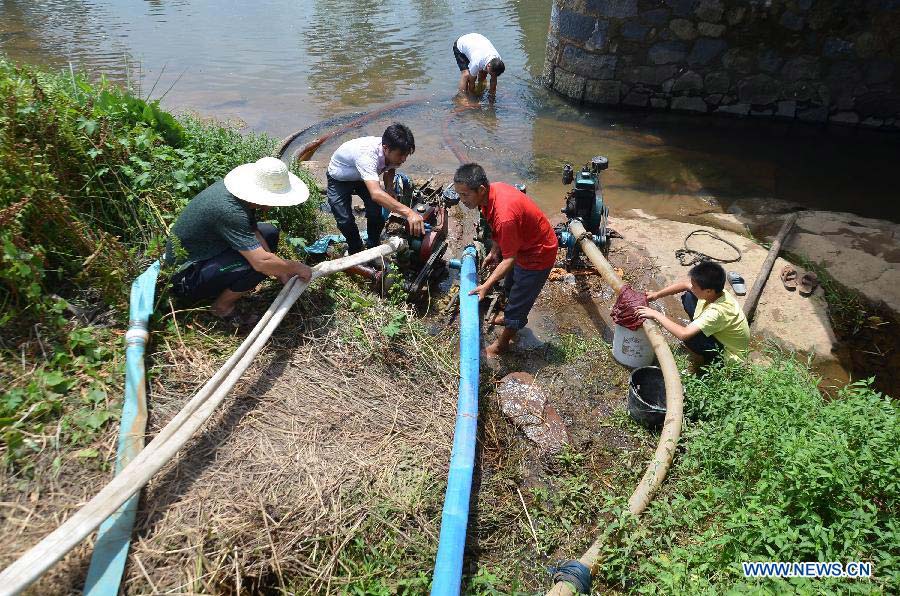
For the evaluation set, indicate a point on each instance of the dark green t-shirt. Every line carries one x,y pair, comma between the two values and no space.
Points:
214,221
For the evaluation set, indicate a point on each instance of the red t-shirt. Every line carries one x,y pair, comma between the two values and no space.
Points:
520,228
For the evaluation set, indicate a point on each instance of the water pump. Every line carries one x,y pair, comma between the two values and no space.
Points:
585,203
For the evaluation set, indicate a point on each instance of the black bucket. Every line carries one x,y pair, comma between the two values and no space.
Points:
647,396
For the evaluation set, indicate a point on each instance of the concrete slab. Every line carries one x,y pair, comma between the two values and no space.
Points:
795,322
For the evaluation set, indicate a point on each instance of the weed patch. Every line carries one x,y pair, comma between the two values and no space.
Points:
771,471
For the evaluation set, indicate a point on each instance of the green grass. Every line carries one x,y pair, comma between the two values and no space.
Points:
91,178
771,471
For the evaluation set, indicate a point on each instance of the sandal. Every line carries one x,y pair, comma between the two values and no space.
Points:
737,283
789,278
808,283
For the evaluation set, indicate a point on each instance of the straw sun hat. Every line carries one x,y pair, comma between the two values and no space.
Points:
266,182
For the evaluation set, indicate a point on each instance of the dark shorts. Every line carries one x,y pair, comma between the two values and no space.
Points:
228,270
340,196
461,61
704,345
522,289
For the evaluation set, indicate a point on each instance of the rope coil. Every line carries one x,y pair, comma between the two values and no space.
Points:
688,256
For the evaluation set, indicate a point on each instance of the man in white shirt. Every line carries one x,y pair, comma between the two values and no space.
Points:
355,169
477,57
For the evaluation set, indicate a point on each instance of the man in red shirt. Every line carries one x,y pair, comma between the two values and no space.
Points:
524,249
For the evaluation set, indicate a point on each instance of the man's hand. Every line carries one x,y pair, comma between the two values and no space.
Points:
647,312
491,261
481,290
298,269
416,223
651,296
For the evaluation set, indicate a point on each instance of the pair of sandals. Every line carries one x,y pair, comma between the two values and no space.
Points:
806,284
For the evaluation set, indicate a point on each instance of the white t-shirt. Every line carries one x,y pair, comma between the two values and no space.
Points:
478,50
359,159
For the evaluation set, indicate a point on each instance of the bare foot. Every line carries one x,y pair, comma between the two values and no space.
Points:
222,312
494,350
498,319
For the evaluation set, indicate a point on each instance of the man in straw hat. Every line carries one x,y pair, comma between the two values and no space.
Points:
228,253
355,168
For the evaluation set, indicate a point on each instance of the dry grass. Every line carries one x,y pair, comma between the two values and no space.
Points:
335,424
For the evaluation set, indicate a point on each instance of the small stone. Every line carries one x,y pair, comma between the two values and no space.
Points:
801,67
636,99
873,122
681,8
711,29
689,104
817,114
569,84
786,109
759,90
667,52
599,36
575,26
618,9
738,60
569,279
659,102
634,31
802,91
683,29
736,14
879,71
603,92
770,61
689,81
705,50
865,45
714,99
845,118
588,64
717,82
741,109
837,48
793,21
656,17
710,10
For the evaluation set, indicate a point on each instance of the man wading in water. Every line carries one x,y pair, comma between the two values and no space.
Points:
524,246
227,252
477,57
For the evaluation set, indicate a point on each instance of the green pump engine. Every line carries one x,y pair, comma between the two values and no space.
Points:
584,202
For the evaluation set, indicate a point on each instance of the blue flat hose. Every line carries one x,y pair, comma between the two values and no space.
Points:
114,535
455,518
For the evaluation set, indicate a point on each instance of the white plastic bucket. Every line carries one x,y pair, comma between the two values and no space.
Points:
632,348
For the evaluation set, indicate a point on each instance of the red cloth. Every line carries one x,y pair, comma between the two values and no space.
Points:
624,310
520,228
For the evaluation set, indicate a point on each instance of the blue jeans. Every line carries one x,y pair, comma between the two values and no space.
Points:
522,289
340,194
228,270
704,345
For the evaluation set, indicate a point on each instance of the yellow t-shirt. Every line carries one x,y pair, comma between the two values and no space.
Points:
725,321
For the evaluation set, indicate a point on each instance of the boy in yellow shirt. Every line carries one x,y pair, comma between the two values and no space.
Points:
718,326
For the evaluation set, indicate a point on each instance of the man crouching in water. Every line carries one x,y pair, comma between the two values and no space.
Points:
523,252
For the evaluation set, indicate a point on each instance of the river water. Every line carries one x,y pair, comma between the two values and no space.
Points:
279,65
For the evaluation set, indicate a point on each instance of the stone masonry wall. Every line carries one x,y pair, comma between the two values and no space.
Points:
813,60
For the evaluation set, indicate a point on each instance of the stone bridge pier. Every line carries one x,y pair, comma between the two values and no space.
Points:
835,61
